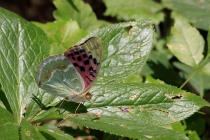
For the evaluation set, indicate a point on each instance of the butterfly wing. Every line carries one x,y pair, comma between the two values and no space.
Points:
86,58
58,76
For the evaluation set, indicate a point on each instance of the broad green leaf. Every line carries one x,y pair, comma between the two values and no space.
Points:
134,10
200,81
197,11
126,47
21,42
23,46
8,126
79,11
62,34
157,104
127,128
129,106
51,132
185,42
28,131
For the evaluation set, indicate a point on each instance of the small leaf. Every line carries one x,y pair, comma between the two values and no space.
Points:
134,78
200,15
8,126
193,136
51,132
177,126
78,11
134,10
27,131
185,42
62,34
50,114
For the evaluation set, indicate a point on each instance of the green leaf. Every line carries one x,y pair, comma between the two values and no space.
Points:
150,79
129,106
185,42
50,114
134,10
127,128
197,11
8,126
177,126
62,34
79,11
158,104
193,136
199,81
134,78
51,132
126,47
23,46
28,131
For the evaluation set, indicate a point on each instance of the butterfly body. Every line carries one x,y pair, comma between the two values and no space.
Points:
72,74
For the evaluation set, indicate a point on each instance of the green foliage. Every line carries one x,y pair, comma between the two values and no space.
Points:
136,94
59,37
185,42
197,11
130,10
77,11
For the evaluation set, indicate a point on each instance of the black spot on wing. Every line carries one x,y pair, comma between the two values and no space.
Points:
90,57
79,58
95,61
84,55
75,64
82,50
82,68
76,52
86,62
90,68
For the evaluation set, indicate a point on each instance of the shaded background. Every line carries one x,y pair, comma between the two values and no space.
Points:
42,10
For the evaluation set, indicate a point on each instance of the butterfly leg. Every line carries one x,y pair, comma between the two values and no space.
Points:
77,108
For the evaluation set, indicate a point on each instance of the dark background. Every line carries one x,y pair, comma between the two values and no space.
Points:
42,10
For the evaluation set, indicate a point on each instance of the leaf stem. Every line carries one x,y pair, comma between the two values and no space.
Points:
199,67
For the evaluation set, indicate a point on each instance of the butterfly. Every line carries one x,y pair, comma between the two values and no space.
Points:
71,75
